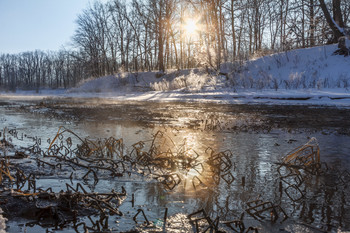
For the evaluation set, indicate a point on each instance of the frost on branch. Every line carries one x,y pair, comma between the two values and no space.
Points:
343,46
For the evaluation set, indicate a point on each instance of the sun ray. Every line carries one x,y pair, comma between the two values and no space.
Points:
191,27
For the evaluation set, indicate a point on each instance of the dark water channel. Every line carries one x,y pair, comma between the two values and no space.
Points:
254,138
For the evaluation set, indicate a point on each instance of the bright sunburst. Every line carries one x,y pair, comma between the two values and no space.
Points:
190,27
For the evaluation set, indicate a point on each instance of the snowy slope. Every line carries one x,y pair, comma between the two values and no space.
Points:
299,69
314,68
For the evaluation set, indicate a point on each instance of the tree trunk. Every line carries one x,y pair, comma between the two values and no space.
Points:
233,31
335,28
337,15
160,38
312,24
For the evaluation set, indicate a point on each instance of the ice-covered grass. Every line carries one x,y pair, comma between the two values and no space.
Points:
2,222
195,80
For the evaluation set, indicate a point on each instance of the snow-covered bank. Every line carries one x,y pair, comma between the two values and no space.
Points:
303,76
307,68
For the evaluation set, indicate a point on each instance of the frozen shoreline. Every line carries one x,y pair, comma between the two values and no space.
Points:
328,97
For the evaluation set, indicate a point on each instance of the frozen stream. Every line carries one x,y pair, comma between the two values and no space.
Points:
257,136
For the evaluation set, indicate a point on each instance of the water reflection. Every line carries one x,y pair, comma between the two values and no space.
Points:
191,149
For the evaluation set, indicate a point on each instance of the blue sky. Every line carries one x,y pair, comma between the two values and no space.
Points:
27,25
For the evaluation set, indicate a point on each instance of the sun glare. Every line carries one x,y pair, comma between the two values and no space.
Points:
190,27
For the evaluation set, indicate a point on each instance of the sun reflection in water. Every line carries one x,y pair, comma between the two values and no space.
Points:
186,162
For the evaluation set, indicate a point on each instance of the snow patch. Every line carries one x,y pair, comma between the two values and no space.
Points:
2,222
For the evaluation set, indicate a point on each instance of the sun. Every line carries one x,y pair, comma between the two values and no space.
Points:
190,27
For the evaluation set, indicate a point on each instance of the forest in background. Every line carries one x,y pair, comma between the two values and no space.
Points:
134,36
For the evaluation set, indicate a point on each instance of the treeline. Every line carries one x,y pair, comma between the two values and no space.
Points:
153,35
36,70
